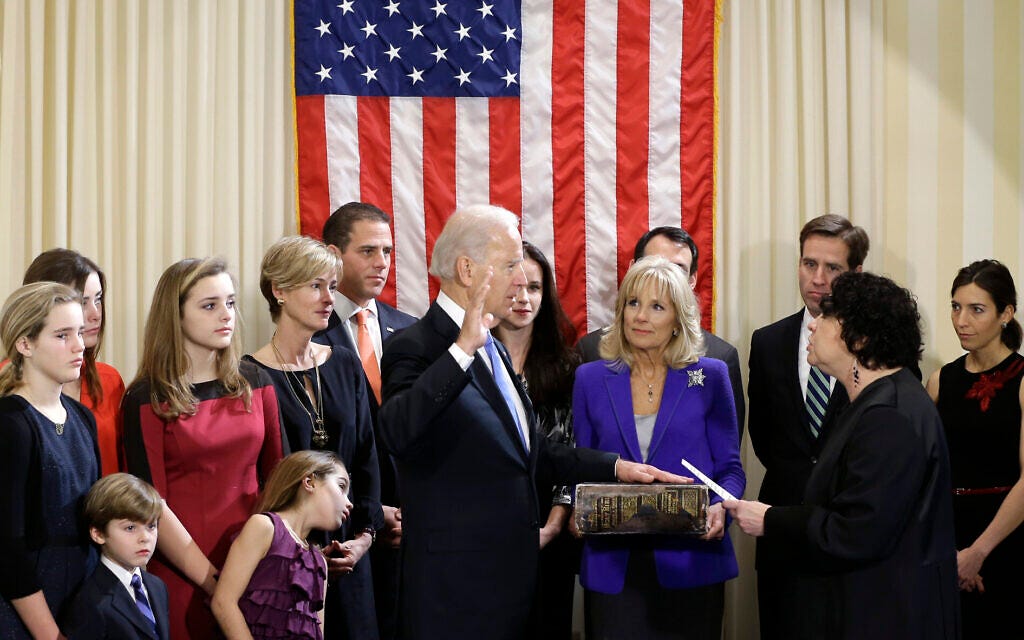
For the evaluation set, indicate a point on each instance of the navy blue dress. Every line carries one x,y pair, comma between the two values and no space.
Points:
44,476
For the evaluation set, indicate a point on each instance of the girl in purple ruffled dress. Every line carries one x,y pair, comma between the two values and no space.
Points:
273,581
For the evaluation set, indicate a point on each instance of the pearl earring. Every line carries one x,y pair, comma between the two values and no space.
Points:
280,302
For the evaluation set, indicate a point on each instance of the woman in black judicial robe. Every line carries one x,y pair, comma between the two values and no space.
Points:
874,535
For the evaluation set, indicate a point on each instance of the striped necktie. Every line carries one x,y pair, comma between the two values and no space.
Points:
817,398
141,601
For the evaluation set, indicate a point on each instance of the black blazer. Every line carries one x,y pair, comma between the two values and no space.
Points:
589,346
779,428
875,530
469,515
391,322
103,609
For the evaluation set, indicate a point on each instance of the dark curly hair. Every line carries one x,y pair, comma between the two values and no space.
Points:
880,323
994,278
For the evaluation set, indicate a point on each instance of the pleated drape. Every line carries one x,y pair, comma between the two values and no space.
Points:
141,133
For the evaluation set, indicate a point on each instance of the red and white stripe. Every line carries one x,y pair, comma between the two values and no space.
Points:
613,134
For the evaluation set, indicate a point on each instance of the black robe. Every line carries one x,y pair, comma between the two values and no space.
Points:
877,557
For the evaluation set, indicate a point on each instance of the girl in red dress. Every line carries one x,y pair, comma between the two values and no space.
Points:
200,425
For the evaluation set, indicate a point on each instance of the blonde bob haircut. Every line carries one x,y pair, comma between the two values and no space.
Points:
24,316
165,364
670,285
282,488
293,262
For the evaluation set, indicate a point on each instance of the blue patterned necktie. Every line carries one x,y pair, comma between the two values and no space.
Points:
496,367
816,399
142,602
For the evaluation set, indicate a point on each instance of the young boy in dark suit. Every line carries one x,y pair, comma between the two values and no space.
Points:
121,600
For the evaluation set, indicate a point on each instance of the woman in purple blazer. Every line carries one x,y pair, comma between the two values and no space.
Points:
654,399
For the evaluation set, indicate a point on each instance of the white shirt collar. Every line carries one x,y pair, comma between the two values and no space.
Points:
452,308
123,575
805,321
804,367
346,308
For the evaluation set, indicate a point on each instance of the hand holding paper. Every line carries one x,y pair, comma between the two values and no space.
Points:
749,515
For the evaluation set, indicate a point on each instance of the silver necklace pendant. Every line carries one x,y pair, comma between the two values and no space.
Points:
59,427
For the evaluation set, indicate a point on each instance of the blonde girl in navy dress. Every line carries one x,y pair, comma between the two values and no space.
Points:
48,460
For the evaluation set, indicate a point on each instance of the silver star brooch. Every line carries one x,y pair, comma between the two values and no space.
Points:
696,377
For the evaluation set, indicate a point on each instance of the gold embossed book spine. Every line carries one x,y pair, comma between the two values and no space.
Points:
653,509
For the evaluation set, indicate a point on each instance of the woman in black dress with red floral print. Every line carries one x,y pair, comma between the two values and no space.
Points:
980,399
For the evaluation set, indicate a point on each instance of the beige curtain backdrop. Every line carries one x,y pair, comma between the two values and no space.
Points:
141,133
904,115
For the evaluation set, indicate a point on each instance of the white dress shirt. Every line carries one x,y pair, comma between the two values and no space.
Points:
124,576
801,357
346,310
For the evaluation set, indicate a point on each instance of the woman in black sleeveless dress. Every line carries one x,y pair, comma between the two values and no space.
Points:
979,398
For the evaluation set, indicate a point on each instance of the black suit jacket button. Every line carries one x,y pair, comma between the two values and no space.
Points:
814,460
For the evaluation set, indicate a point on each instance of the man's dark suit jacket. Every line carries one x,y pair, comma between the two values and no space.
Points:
779,427
717,348
874,529
782,439
391,321
469,513
104,610
383,557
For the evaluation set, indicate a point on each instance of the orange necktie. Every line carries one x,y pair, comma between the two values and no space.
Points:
365,345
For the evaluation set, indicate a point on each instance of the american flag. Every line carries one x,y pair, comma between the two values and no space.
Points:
594,121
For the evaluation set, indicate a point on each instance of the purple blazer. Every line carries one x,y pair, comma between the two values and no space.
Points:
696,421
